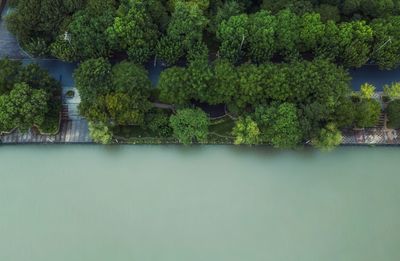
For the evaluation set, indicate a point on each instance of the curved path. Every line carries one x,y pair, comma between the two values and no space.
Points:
9,46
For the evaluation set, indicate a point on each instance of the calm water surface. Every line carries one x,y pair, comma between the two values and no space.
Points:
155,203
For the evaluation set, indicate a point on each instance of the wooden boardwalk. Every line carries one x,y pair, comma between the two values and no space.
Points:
371,136
71,131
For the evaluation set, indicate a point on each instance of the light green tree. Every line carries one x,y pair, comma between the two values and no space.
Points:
329,138
100,133
367,91
392,90
246,131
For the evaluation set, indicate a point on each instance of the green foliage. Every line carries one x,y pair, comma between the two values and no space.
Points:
116,96
129,101
392,90
37,21
93,78
367,91
311,31
100,133
232,34
386,42
355,43
190,125
8,74
135,32
279,125
158,123
328,12
16,101
329,138
22,108
200,73
184,31
393,114
367,113
225,83
246,131
86,37
262,26
225,11
287,34
173,86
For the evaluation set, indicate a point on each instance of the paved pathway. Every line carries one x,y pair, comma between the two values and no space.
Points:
9,46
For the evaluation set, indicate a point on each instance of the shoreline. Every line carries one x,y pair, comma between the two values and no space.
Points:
70,134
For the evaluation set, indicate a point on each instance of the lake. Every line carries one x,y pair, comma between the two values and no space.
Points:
172,203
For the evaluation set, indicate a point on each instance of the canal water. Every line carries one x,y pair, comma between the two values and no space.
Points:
167,203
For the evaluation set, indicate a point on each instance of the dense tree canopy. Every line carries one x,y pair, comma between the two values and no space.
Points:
29,96
23,107
277,68
117,95
190,125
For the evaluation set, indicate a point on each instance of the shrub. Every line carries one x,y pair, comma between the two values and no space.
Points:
393,114
367,113
190,125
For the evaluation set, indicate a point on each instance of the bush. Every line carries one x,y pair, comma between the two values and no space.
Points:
367,113
190,125
328,138
393,114
158,123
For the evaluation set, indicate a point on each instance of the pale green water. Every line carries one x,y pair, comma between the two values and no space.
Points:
90,203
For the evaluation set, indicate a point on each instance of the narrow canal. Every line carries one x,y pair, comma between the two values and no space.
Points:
167,203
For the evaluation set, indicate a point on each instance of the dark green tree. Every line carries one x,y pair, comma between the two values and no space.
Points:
22,108
279,125
190,125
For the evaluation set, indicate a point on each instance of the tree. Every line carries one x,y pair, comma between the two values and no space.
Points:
246,131
386,51
85,36
367,113
329,138
367,91
184,31
287,34
279,125
22,108
328,12
173,86
393,114
37,21
224,12
233,35
8,74
128,100
225,83
311,31
329,46
392,91
100,133
355,43
200,73
262,26
190,125
92,79
135,32
376,8
250,88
